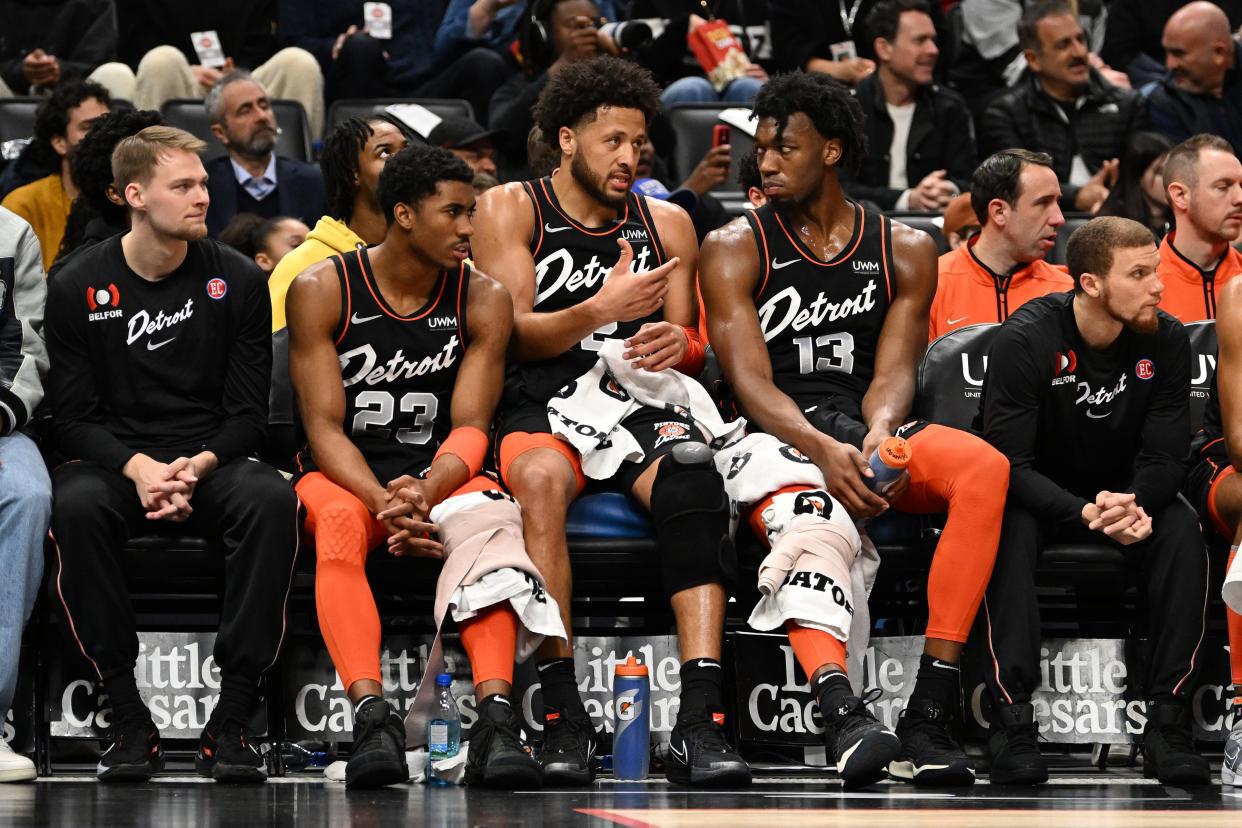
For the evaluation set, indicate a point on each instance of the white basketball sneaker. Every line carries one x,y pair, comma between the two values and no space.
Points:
14,767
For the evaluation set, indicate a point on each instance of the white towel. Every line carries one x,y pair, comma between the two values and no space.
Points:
589,416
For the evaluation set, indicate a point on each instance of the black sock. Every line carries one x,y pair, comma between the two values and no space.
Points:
559,689
123,696
937,681
237,695
702,686
831,689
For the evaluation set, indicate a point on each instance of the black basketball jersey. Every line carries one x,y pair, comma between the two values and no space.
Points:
571,262
822,320
399,371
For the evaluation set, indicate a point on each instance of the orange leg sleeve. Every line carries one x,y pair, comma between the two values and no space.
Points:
489,640
815,648
957,472
344,530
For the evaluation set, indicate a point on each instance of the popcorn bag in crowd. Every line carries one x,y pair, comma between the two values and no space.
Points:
718,52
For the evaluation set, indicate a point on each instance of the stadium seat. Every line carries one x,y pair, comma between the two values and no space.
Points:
1072,222
17,117
293,142
361,107
950,378
1202,367
693,124
929,223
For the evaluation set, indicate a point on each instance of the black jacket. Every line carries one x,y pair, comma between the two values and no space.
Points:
1180,114
942,137
1026,117
80,33
299,186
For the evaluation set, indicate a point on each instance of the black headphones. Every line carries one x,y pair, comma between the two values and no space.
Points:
538,40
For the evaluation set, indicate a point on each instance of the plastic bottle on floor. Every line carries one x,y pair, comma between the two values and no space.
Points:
443,729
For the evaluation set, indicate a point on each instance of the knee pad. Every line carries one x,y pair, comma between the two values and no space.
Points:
341,534
691,514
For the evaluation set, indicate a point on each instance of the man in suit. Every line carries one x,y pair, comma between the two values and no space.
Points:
252,178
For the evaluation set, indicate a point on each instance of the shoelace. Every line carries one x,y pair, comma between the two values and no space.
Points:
936,731
708,736
1023,738
1178,739
569,734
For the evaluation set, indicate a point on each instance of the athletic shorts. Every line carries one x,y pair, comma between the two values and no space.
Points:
656,432
1205,476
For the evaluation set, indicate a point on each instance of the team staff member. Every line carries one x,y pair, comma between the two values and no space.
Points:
1215,489
160,357
551,241
996,271
1204,181
1088,395
818,310
427,417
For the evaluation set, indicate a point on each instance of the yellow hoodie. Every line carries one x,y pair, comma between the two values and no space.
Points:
329,238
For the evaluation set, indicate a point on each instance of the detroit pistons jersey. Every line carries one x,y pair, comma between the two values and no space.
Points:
822,320
398,371
571,263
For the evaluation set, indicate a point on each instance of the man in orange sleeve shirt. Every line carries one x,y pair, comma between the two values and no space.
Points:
1015,194
1204,181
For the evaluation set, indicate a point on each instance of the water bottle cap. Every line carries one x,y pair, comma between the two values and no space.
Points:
894,452
631,667
444,680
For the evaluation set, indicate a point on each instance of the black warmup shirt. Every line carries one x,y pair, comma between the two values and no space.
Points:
1074,421
165,368
399,371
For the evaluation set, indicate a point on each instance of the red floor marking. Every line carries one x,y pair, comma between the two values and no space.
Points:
604,813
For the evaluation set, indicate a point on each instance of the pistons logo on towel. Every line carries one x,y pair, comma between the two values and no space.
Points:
791,453
668,432
813,502
609,386
1144,369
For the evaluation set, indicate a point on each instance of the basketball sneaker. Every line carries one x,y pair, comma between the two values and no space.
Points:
700,755
135,754
569,746
227,755
498,755
1168,749
861,746
1014,746
379,747
1231,767
929,753
13,766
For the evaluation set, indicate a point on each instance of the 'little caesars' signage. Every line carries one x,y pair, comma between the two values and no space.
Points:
1082,697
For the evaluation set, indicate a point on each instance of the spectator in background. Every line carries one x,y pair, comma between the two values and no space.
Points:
920,136
265,240
358,61
1204,182
750,179
155,42
46,42
25,490
99,212
1132,40
652,178
1139,193
960,222
61,122
1203,89
252,178
553,34
1064,108
472,143
1002,268
822,36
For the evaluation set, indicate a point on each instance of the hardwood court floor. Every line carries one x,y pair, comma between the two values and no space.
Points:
1120,798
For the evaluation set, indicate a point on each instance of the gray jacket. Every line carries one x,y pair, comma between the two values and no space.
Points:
23,293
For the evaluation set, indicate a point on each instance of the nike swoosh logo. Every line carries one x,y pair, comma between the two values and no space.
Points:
550,229
705,663
680,754
959,319
358,320
152,346
778,265
1098,416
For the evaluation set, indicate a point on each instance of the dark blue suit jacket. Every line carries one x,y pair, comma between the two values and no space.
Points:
299,187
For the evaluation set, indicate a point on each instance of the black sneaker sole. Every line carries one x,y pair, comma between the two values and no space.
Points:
376,773
138,772
514,777
565,775
1018,776
867,762
238,774
1177,776
728,777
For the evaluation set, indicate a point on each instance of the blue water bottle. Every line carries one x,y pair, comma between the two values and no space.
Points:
631,705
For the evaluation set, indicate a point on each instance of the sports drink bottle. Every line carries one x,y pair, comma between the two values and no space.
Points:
631,740
888,463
